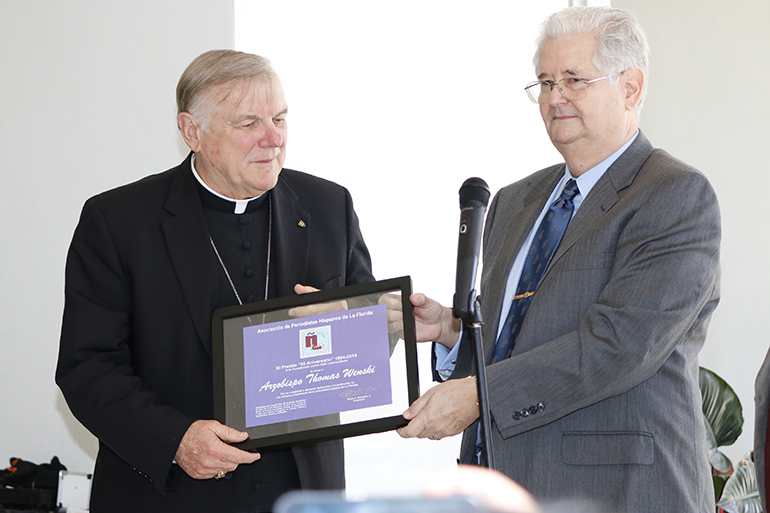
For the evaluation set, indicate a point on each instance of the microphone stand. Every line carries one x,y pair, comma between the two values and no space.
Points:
474,196
474,323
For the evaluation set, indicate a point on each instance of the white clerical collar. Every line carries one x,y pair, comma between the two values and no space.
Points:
240,205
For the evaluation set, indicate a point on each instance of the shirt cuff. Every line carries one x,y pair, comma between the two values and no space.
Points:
446,359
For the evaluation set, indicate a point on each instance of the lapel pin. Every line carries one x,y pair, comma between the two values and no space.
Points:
301,223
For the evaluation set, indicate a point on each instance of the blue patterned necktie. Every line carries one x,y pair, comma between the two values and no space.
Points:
544,245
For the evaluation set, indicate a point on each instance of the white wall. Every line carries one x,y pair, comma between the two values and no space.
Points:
401,101
707,106
86,104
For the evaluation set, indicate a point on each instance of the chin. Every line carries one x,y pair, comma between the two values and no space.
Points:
268,182
265,171
562,136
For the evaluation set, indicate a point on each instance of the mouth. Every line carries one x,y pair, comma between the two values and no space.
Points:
557,121
263,161
562,117
559,114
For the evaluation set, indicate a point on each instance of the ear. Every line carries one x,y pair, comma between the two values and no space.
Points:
190,129
634,83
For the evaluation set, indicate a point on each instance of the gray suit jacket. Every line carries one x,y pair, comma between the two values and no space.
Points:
600,397
761,406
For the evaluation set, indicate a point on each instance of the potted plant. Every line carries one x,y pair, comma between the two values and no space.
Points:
735,488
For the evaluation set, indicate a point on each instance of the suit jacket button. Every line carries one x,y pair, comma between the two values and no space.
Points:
516,415
524,413
532,410
540,406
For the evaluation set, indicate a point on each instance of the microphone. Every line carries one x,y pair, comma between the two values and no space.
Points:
474,197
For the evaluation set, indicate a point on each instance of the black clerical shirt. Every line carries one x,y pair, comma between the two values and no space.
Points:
241,240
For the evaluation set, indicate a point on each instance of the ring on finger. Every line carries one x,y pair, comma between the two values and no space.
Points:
220,475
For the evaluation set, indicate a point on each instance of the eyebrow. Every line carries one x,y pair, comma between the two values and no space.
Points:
571,72
246,117
254,117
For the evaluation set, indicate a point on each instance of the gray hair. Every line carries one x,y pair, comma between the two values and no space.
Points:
214,68
620,40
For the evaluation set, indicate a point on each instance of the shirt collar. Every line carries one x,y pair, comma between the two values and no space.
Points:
587,180
239,205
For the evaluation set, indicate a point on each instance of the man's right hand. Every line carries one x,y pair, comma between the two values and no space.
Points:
204,451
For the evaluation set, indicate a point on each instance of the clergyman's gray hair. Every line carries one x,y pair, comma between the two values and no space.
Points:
620,40
213,68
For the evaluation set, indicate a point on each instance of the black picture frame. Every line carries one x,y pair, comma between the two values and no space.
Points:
229,337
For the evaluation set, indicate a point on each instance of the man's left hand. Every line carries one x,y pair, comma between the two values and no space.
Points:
445,410
316,309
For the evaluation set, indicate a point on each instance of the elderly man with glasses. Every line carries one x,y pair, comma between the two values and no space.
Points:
600,276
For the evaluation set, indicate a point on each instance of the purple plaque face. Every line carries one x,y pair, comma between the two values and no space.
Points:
318,365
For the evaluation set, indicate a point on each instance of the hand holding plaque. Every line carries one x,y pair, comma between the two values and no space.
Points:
315,308
316,366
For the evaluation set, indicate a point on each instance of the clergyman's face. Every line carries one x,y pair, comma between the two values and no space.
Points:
241,153
595,122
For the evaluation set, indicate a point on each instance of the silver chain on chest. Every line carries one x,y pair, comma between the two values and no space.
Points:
269,244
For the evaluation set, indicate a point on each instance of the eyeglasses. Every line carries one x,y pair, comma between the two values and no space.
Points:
571,88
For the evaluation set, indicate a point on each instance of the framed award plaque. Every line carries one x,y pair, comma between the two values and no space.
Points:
316,366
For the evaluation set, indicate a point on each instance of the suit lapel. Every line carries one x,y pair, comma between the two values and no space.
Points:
188,246
292,227
522,215
604,195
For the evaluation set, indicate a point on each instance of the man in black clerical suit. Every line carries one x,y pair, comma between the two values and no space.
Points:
149,262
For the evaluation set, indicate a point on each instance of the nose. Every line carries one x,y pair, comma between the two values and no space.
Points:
272,137
556,97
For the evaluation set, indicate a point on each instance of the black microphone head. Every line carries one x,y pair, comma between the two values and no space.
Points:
474,190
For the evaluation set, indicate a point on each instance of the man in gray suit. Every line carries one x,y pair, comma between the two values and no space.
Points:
596,395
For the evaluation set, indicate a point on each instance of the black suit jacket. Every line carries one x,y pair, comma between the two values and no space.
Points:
135,356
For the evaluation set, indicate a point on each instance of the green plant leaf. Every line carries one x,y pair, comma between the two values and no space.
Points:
721,408
719,486
741,494
717,459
